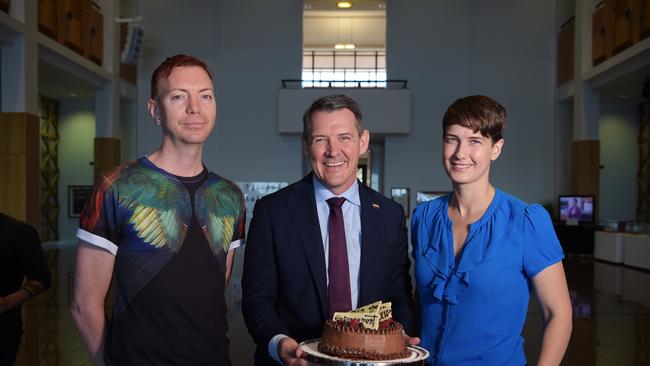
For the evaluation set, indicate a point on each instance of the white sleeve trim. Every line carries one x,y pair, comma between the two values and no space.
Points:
96,240
236,244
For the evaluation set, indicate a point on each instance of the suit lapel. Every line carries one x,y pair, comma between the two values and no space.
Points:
370,225
302,205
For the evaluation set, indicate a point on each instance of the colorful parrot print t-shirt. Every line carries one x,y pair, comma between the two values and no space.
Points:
170,236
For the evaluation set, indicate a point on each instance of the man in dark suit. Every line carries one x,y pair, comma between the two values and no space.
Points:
301,264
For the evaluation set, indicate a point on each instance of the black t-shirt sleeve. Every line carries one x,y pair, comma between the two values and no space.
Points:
31,256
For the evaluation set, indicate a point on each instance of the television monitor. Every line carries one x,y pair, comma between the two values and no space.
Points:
577,207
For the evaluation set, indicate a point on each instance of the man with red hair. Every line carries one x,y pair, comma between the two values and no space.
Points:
165,228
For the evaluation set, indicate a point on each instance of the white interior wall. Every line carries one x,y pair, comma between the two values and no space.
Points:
432,53
77,131
563,142
619,159
504,49
128,130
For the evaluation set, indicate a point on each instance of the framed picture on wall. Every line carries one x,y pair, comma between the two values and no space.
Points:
402,196
77,196
428,196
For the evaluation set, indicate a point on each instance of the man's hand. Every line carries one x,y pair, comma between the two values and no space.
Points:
17,297
411,341
290,353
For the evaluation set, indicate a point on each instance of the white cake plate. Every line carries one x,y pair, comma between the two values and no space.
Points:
312,354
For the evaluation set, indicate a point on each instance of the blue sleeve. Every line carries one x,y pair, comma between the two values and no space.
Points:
541,248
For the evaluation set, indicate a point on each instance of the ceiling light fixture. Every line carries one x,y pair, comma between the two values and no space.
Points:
344,4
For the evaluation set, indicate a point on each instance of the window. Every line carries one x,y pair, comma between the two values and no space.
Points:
349,69
344,48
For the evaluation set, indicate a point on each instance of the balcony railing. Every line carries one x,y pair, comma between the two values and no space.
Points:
308,84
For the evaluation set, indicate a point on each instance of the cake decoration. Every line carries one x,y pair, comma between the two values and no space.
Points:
368,332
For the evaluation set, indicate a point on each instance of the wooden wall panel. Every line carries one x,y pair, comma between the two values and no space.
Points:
107,154
71,24
636,8
5,5
602,41
626,24
93,35
585,169
644,19
12,185
48,17
19,163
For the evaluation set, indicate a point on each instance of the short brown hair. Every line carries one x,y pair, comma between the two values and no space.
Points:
165,69
330,103
478,112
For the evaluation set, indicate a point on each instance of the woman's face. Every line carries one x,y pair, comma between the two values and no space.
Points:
466,155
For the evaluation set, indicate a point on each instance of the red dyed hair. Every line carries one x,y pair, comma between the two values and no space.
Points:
165,69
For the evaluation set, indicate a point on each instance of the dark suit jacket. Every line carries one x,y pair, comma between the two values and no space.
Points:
285,281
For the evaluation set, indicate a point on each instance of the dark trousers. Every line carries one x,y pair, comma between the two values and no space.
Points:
9,344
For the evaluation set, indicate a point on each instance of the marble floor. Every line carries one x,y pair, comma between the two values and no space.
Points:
611,319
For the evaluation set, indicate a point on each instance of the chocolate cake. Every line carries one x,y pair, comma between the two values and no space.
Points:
362,335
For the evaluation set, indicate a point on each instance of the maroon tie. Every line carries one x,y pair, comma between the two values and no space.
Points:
338,271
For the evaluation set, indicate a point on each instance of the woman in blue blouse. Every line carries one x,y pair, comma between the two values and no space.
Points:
479,251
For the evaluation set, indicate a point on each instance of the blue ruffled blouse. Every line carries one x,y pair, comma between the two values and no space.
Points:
474,306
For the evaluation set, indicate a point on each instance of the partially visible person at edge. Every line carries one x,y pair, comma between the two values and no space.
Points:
166,227
23,275
297,274
478,251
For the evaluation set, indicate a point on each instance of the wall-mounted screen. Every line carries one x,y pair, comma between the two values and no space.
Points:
577,207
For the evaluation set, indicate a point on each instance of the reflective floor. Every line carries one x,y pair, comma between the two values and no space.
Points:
611,310
611,318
